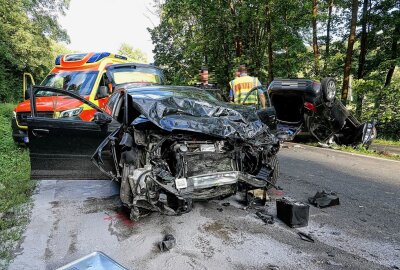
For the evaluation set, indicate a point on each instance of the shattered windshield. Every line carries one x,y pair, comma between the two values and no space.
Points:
80,82
136,74
160,93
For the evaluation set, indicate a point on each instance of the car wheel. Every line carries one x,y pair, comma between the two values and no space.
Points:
328,87
273,165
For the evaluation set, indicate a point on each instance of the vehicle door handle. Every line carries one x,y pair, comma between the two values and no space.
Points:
38,132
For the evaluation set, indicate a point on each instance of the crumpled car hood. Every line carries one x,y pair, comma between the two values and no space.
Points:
195,112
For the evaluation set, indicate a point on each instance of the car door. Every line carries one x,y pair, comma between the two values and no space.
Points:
265,111
61,146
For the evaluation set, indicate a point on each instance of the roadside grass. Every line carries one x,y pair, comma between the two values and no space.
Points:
368,152
360,150
15,187
387,142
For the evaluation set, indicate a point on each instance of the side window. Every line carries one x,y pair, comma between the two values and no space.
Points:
104,89
118,110
103,80
111,103
62,106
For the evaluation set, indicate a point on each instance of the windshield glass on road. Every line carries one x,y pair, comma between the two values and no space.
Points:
137,75
80,82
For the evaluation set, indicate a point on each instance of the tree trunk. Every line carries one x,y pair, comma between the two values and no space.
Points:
349,54
328,35
315,41
238,40
270,54
396,36
389,74
363,52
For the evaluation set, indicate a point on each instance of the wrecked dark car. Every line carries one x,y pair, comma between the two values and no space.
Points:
179,144
166,145
312,106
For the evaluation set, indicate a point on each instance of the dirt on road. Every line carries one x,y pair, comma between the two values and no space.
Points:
71,219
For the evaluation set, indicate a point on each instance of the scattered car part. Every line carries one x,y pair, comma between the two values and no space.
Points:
324,199
264,216
95,260
168,243
292,213
305,237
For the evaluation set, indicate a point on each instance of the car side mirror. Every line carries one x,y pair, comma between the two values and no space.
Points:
102,118
102,92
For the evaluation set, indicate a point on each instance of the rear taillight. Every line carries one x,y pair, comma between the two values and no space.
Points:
309,106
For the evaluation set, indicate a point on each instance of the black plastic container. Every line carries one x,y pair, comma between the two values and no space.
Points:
294,214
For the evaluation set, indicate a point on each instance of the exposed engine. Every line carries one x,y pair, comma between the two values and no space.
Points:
165,172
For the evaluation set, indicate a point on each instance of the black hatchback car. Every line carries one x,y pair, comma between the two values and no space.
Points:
307,105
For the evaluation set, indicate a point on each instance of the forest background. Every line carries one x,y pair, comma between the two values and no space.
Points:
356,42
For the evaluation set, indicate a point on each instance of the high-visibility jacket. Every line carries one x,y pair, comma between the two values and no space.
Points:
241,86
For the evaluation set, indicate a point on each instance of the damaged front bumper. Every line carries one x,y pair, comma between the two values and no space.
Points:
219,184
176,197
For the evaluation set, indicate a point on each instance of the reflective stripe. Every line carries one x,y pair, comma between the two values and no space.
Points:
241,87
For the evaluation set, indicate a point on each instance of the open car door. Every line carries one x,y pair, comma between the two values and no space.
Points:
266,112
60,142
27,83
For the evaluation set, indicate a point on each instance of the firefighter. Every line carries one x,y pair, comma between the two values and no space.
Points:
241,86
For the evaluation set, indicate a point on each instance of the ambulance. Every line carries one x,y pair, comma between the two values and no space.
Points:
83,74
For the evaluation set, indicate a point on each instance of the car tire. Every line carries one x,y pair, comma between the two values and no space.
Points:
328,87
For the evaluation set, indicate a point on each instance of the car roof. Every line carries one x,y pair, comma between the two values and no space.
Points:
132,64
133,88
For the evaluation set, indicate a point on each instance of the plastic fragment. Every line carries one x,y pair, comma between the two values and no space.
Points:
264,216
305,237
168,243
324,199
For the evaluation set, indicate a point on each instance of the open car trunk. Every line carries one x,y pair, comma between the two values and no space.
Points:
289,113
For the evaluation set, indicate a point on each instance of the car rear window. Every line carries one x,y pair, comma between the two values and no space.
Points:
137,75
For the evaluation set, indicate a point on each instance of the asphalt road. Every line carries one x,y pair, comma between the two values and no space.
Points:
71,219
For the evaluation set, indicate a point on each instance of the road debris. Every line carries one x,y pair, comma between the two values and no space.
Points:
330,253
324,199
305,237
294,214
168,243
330,262
264,216
95,260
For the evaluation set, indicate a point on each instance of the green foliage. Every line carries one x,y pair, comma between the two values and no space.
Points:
134,55
223,34
26,31
387,142
15,183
